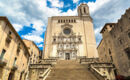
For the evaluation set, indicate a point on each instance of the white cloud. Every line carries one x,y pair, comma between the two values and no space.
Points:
75,1
107,11
56,3
39,27
97,30
93,6
37,13
34,38
40,45
98,35
18,27
70,13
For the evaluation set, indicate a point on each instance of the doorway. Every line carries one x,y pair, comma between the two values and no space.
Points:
21,76
1,72
67,56
11,75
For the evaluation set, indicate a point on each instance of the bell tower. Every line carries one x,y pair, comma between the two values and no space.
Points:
83,10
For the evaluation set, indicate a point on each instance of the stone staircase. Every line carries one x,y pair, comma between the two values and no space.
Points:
70,70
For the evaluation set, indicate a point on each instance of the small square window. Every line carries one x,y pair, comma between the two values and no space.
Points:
127,51
121,28
109,51
120,41
74,20
10,33
129,34
79,39
110,25
54,40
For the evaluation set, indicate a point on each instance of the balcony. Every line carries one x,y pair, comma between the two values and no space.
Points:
8,39
3,62
18,49
14,67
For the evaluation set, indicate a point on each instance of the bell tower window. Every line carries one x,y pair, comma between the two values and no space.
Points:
80,12
84,10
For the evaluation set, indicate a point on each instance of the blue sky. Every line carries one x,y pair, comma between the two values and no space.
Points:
29,17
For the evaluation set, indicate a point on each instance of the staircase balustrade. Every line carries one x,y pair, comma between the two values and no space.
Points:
45,74
42,66
103,70
89,60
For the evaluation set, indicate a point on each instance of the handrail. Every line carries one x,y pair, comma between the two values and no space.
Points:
98,71
95,67
97,74
52,60
45,66
45,74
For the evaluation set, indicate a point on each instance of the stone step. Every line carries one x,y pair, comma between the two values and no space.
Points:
70,70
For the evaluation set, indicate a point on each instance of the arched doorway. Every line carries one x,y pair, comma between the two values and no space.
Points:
67,56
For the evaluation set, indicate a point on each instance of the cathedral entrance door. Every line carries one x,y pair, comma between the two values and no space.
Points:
67,56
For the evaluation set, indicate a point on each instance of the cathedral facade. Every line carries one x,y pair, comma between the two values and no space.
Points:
70,37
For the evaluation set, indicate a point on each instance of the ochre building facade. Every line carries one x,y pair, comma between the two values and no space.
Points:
115,45
14,55
33,50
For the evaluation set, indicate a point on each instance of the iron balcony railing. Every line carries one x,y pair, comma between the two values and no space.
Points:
3,61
